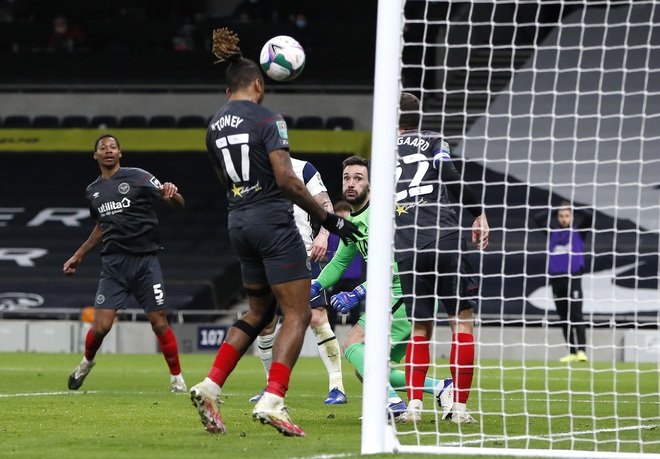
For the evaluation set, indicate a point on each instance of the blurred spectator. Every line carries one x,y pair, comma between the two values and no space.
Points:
6,11
256,10
300,30
66,37
184,40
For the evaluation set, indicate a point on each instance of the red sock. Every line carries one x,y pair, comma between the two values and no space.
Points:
92,345
224,364
278,379
170,351
418,358
461,364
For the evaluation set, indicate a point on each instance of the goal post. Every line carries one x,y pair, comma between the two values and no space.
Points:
546,105
376,435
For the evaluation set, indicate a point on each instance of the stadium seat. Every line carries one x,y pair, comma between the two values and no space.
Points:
104,121
288,120
133,122
339,123
75,121
309,122
192,121
16,121
45,122
162,121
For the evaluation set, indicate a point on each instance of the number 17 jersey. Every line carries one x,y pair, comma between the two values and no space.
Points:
239,139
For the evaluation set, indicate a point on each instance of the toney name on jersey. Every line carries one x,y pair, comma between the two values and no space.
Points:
227,120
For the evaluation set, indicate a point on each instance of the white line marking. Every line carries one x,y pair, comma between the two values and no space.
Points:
42,394
554,435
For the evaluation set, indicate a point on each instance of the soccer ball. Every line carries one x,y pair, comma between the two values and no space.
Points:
282,58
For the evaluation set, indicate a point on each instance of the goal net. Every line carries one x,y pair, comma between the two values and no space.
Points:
548,107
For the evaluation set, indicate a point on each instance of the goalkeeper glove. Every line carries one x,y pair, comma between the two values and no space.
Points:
315,290
341,227
345,301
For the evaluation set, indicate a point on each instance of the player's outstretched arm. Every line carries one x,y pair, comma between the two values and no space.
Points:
319,247
294,189
480,232
172,196
92,241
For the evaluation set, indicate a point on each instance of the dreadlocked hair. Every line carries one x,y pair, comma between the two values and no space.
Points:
225,45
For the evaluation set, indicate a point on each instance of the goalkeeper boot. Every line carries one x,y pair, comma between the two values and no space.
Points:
582,357
396,409
336,397
257,397
271,410
80,373
569,358
206,399
459,415
445,398
413,414
178,384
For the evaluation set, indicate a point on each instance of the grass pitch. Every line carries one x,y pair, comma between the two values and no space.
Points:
125,409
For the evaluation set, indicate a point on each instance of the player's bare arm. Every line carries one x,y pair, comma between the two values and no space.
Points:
171,196
480,231
319,247
292,187
92,241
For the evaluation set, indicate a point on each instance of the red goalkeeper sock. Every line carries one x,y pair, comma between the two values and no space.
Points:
92,345
278,379
170,350
461,364
418,358
224,363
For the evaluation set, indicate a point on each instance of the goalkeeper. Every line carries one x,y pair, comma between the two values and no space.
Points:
356,191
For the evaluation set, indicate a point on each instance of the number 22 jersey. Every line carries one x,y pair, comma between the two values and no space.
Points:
424,213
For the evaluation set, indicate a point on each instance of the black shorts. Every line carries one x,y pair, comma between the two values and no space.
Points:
123,274
270,254
435,275
320,300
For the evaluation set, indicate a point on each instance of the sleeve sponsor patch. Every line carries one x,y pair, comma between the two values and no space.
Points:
281,128
155,182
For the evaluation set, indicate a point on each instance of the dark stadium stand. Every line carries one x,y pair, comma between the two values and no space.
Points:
191,121
104,121
341,123
133,121
75,121
309,122
16,122
162,121
45,122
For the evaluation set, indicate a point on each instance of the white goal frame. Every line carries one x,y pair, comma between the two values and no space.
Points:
377,435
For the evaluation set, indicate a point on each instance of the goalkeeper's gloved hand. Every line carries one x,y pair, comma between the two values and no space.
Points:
315,290
345,301
341,227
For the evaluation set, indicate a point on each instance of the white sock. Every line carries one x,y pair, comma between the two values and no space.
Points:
265,345
330,354
394,400
459,407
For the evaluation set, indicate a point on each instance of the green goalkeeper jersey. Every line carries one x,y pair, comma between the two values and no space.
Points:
346,252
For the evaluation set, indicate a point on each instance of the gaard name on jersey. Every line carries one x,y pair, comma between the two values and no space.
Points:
123,205
239,138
